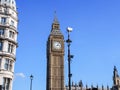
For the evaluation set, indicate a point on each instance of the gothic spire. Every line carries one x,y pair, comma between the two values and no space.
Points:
86,86
102,87
55,26
107,87
80,83
55,18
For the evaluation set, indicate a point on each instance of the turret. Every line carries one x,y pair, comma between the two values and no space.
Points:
116,78
115,72
8,42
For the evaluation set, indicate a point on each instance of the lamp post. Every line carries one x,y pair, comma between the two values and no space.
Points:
0,87
68,41
31,78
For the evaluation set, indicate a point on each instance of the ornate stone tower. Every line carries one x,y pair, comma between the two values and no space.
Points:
8,42
55,58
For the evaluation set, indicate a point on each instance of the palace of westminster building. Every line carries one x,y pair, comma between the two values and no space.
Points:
55,53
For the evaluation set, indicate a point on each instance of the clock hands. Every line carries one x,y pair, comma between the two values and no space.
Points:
57,45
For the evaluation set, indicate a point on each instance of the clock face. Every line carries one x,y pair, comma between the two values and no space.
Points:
57,45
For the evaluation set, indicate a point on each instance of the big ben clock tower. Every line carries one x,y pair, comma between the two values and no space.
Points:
55,58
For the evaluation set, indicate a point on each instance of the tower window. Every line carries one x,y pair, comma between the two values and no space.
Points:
10,48
0,63
3,20
6,83
11,34
12,23
118,82
1,32
12,2
5,10
8,64
1,45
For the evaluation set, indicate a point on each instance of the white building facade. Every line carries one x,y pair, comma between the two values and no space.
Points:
8,42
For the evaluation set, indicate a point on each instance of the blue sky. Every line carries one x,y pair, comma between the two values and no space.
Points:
95,36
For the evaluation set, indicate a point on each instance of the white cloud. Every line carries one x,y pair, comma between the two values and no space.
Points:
20,75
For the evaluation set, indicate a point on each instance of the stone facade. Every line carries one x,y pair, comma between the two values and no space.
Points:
8,42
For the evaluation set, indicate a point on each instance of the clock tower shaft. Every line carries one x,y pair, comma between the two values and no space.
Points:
55,58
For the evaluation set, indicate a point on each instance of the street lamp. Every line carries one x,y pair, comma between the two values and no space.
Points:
68,41
31,78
